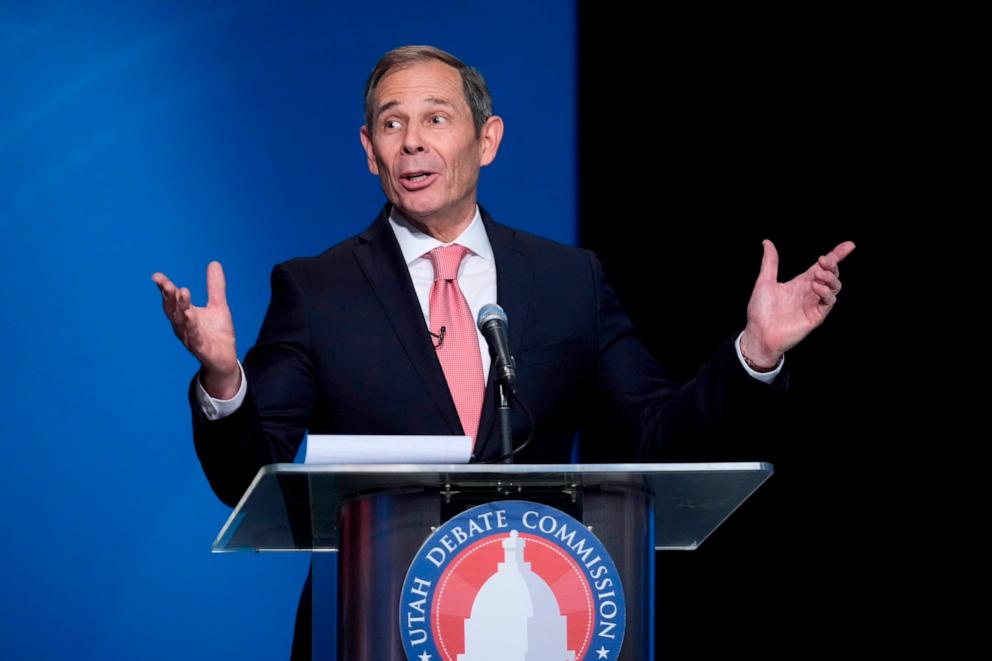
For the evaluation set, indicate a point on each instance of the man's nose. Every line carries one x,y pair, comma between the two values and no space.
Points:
412,142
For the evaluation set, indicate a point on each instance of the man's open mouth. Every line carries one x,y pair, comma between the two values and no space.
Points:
417,180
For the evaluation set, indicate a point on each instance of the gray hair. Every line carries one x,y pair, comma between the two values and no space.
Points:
477,95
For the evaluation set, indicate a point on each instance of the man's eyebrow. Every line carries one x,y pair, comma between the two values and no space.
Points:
430,100
434,101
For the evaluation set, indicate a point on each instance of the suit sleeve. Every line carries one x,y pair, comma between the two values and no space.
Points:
665,420
269,425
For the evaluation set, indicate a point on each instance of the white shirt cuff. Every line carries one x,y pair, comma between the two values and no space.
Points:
764,377
215,409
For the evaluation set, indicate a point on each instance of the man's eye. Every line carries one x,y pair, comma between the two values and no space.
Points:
439,119
392,124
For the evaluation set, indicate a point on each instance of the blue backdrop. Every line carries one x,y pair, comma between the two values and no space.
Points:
158,136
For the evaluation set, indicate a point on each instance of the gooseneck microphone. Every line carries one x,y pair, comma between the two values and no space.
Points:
495,328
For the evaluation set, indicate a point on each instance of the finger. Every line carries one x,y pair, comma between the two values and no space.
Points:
832,285
841,251
168,291
769,262
827,278
216,285
176,308
169,297
164,284
184,298
827,297
169,307
828,263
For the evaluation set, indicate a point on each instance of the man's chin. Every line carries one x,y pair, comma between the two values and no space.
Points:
421,210
416,214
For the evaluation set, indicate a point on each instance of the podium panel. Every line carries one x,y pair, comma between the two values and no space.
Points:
376,518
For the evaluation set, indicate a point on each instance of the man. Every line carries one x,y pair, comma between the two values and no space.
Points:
377,334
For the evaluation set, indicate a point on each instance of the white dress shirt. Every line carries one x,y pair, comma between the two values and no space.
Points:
476,279
476,274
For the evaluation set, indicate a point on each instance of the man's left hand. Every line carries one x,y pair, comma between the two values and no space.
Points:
781,314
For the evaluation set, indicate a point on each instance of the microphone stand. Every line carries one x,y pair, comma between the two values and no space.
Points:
503,411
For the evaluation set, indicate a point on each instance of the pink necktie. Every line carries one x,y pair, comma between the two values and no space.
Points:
457,345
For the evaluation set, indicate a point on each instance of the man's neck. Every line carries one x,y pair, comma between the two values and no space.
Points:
444,231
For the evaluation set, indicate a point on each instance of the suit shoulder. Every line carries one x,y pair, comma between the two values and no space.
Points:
332,259
551,253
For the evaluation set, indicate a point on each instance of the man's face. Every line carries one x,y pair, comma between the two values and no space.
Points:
424,147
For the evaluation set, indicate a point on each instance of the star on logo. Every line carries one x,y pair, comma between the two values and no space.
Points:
602,652
425,657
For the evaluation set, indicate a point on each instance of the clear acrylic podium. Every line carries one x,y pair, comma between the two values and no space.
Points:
364,524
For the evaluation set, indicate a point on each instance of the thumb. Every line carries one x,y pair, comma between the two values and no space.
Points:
769,262
216,285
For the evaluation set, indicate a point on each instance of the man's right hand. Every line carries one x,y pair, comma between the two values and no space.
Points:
207,332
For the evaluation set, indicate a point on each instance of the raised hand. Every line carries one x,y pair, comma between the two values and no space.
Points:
781,314
207,332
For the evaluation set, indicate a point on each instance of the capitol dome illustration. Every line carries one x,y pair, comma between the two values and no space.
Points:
515,615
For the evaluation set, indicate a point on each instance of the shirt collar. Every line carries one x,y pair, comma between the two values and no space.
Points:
414,243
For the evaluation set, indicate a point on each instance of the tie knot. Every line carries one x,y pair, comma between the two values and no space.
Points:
446,260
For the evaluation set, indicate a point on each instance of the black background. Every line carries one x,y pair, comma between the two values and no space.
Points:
699,137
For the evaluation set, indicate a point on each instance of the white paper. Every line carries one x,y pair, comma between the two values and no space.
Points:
346,449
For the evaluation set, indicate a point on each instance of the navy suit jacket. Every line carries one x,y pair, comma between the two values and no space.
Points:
344,349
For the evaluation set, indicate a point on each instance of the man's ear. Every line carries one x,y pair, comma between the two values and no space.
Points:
489,139
363,133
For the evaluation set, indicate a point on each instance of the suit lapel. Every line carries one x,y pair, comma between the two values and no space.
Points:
514,282
379,256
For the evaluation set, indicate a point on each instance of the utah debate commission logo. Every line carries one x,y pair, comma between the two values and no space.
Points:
512,581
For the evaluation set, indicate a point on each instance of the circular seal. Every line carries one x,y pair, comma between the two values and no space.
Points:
512,581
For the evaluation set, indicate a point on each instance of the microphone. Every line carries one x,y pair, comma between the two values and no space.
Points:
495,328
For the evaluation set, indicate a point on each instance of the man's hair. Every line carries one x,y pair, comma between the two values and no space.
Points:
477,95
